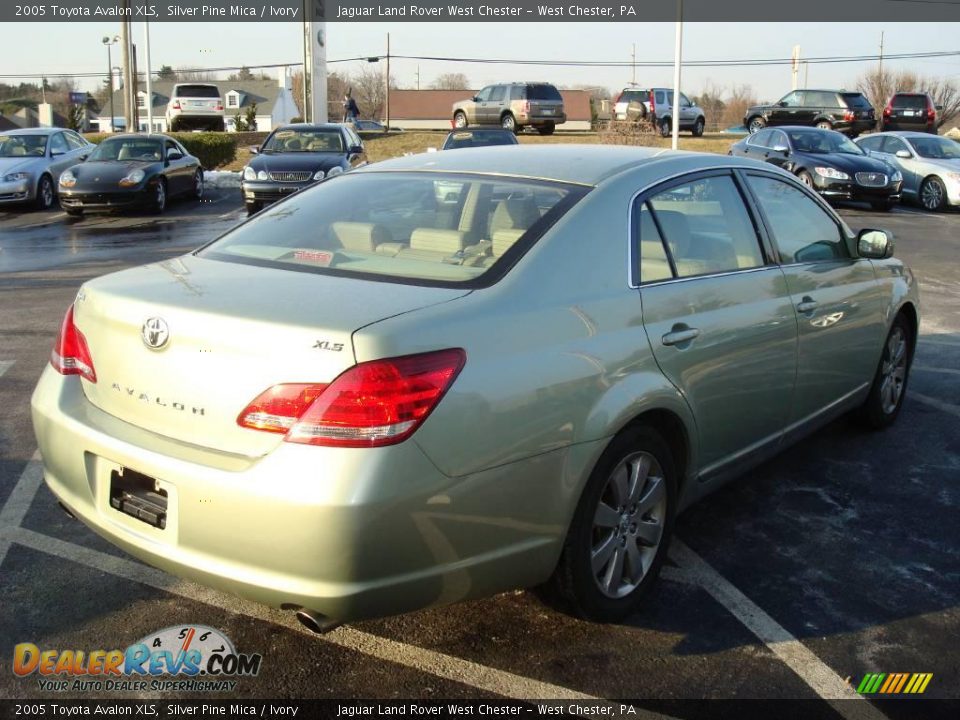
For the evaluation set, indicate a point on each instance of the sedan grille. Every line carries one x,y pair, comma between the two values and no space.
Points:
871,179
290,176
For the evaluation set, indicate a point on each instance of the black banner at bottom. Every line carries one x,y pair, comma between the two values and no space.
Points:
902,709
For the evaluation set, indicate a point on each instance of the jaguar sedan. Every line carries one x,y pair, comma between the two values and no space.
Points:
131,171
930,165
454,378
827,162
296,156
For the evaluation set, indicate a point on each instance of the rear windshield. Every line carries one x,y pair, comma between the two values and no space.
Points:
910,102
479,138
422,228
629,96
194,91
543,92
855,100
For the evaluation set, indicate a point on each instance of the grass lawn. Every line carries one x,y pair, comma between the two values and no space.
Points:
396,145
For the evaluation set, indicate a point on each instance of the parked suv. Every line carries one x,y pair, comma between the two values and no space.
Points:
655,105
910,111
513,106
847,112
195,105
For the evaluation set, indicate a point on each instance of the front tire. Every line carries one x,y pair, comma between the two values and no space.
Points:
44,200
933,194
883,205
807,179
74,212
883,404
620,531
253,208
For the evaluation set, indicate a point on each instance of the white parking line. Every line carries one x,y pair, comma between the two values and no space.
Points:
794,654
17,505
5,365
935,403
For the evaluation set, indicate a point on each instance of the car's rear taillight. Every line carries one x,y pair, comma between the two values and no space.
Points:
526,106
619,97
176,105
888,110
70,354
849,115
653,108
219,107
931,113
375,403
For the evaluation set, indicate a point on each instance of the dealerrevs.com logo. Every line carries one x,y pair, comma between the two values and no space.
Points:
192,658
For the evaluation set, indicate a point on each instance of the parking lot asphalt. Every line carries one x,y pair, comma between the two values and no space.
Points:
838,558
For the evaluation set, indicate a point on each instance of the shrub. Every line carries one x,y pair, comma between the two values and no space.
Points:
212,149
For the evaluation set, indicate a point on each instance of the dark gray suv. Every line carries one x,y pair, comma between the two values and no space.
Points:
513,106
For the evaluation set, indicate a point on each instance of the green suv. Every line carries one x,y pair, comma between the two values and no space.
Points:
513,106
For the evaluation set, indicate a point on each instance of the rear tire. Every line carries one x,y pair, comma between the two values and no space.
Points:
459,120
698,127
253,208
175,125
882,406
621,529
756,124
666,127
509,122
547,129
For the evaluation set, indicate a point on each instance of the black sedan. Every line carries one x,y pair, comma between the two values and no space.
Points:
296,156
827,162
481,137
131,171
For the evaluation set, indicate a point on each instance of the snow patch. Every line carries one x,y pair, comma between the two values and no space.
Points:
221,178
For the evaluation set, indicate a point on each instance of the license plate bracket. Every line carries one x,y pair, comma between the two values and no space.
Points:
138,496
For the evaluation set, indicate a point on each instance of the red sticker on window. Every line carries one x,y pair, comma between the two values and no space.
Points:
317,257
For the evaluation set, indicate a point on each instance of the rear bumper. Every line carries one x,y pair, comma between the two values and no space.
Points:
537,120
347,533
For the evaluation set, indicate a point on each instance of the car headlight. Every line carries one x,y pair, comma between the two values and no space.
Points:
262,175
68,179
832,173
249,173
134,177
335,171
13,177
897,176
318,175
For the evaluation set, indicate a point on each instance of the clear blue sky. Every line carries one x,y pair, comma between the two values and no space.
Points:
60,48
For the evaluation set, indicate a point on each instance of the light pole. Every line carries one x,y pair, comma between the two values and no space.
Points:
108,41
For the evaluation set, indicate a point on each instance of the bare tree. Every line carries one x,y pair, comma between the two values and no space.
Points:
735,107
192,75
450,81
946,96
879,86
713,104
370,92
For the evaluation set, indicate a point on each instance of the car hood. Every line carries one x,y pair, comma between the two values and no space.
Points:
102,173
280,162
19,164
847,163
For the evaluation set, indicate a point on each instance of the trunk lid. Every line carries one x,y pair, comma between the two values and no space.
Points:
233,330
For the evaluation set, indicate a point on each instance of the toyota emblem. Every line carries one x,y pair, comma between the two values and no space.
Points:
155,333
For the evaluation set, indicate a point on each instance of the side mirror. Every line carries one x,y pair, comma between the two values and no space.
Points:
905,154
781,104
174,155
356,149
254,150
874,244
476,98
782,149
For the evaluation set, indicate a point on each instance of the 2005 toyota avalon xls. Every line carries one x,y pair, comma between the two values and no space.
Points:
452,374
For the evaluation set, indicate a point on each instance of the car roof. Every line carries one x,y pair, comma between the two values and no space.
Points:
311,126
138,135
581,164
905,134
33,131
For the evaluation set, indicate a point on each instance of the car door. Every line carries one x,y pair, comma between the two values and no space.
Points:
688,111
477,107
717,312
179,171
779,151
910,167
786,111
836,296
80,149
58,150
756,145
495,105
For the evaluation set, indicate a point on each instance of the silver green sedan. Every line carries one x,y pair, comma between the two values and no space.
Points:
452,374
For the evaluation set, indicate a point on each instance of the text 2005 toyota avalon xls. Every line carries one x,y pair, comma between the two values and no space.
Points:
453,374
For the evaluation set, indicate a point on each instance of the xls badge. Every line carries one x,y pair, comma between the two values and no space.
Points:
160,659
155,333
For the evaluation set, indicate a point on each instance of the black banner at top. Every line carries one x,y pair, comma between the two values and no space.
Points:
480,10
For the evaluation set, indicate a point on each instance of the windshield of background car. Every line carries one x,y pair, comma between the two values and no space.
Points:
543,92
478,138
856,100
823,142
198,91
137,149
23,145
304,141
424,228
936,148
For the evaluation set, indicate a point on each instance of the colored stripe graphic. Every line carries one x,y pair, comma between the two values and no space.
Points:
894,683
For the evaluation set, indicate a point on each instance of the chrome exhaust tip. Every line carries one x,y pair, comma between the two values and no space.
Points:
315,622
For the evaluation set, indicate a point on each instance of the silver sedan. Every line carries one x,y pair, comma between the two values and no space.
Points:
31,161
930,165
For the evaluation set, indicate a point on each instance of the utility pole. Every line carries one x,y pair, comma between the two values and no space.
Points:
146,37
806,75
127,81
633,65
880,65
418,77
387,123
795,66
135,74
677,59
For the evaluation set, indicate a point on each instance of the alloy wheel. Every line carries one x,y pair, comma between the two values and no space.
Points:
756,125
460,120
160,198
628,524
45,193
198,185
508,123
893,370
931,195
824,125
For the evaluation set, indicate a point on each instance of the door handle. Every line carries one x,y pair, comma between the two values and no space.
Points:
680,334
807,305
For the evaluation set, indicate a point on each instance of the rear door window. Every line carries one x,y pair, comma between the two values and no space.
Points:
856,101
761,139
803,231
498,93
518,92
